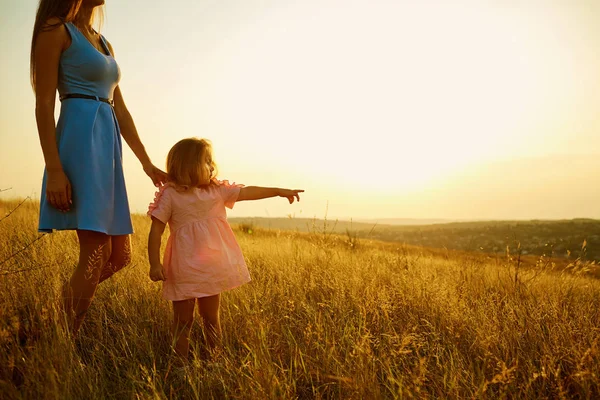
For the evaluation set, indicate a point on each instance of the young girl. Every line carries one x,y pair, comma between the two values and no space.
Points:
202,258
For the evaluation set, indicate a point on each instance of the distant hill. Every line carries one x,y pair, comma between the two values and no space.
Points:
303,224
559,238
405,221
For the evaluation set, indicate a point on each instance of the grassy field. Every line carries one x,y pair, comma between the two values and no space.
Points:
325,316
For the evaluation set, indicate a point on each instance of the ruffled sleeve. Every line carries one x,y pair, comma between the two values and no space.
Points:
160,208
229,192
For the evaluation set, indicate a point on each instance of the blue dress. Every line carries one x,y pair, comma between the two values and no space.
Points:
89,144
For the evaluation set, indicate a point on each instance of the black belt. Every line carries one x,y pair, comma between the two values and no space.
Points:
85,96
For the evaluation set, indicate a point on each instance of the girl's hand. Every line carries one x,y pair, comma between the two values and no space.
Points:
58,190
156,273
158,176
290,194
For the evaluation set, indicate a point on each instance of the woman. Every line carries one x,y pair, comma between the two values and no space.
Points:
83,187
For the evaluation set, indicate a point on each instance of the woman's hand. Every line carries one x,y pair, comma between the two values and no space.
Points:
58,189
158,176
157,273
290,194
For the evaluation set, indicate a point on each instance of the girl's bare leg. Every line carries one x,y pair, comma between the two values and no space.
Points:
120,256
183,318
209,311
78,292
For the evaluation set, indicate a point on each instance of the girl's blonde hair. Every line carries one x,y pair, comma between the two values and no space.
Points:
184,163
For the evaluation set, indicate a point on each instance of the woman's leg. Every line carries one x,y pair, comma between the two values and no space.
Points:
209,311
78,292
183,318
120,256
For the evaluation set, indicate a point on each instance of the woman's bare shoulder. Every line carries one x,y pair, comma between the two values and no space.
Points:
54,32
54,28
54,23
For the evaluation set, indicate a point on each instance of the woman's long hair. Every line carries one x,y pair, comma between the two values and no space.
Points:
65,11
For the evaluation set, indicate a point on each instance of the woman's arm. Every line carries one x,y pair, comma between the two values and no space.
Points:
128,129
48,48
130,134
258,192
154,242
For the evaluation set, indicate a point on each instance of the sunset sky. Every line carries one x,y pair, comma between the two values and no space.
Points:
463,109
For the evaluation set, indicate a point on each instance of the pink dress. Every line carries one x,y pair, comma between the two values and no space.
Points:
202,257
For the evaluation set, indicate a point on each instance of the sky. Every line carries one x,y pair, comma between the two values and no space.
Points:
463,109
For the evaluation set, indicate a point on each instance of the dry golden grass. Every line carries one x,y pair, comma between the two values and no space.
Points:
321,319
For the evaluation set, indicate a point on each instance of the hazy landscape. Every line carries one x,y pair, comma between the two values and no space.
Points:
327,315
560,239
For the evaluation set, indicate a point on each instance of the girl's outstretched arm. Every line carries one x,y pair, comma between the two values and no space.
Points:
154,239
258,192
